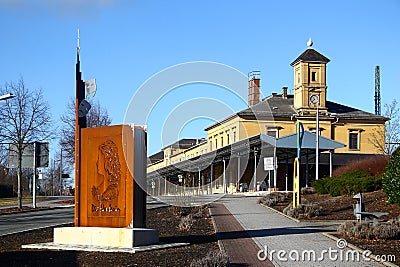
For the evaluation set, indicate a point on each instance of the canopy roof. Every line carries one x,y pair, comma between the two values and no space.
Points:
309,141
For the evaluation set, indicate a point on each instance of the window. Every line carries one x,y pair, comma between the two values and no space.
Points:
313,76
216,143
210,144
227,138
298,77
222,141
354,140
234,136
272,133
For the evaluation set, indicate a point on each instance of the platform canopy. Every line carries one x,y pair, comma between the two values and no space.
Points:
309,141
287,145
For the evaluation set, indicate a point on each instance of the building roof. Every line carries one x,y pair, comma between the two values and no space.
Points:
311,55
156,157
278,106
185,143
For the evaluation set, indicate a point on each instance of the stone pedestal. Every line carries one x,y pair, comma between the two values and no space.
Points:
105,236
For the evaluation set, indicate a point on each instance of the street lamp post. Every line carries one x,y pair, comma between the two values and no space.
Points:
314,99
61,170
317,146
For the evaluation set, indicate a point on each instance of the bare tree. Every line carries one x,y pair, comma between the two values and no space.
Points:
386,141
96,117
24,119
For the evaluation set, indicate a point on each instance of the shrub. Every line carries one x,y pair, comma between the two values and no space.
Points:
302,211
391,178
382,230
212,259
388,230
186,222
348,184
375,165
273,198
307,190
320,186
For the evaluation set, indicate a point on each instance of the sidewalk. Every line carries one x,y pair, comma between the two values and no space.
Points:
244,228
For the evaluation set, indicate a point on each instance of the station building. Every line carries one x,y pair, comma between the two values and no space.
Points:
234,152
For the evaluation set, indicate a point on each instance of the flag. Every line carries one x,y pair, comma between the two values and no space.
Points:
300,134
90,87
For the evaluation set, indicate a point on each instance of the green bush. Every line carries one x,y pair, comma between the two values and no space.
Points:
348,184
319,186
391,178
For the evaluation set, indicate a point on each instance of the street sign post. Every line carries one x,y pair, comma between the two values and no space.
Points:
34,155
268,163
42,155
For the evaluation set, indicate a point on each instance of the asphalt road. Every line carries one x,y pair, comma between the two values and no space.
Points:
24,221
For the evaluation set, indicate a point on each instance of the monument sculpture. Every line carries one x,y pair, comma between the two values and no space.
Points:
110,177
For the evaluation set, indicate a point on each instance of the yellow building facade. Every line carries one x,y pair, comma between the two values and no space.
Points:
277,116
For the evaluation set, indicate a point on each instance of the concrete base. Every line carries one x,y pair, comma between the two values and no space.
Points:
105,237
54,246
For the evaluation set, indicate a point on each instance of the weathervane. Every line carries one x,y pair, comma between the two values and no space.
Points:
309,43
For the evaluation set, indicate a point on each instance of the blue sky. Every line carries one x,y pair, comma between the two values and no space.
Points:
124,43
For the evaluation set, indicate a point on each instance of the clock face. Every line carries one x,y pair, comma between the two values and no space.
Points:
314,99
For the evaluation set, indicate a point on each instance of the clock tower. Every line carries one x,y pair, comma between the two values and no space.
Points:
309,79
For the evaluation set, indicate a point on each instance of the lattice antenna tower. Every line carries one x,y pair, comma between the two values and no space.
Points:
377,91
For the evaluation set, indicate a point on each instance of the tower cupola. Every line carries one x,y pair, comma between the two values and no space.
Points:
309,78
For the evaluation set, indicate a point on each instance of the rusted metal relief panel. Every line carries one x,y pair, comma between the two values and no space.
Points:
107,184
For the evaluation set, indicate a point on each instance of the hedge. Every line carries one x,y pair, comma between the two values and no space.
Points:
348,184
391,178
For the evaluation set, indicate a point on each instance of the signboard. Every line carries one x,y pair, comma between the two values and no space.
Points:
107,190
106,193
42,155
269,164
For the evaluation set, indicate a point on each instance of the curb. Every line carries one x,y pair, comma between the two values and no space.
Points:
360,251
277,211
220,244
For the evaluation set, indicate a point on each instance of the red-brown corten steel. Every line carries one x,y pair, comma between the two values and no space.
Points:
107,183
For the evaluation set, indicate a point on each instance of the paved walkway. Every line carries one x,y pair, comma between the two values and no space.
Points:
253,235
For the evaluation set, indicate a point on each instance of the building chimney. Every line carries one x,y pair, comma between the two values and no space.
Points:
254,88
284,92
